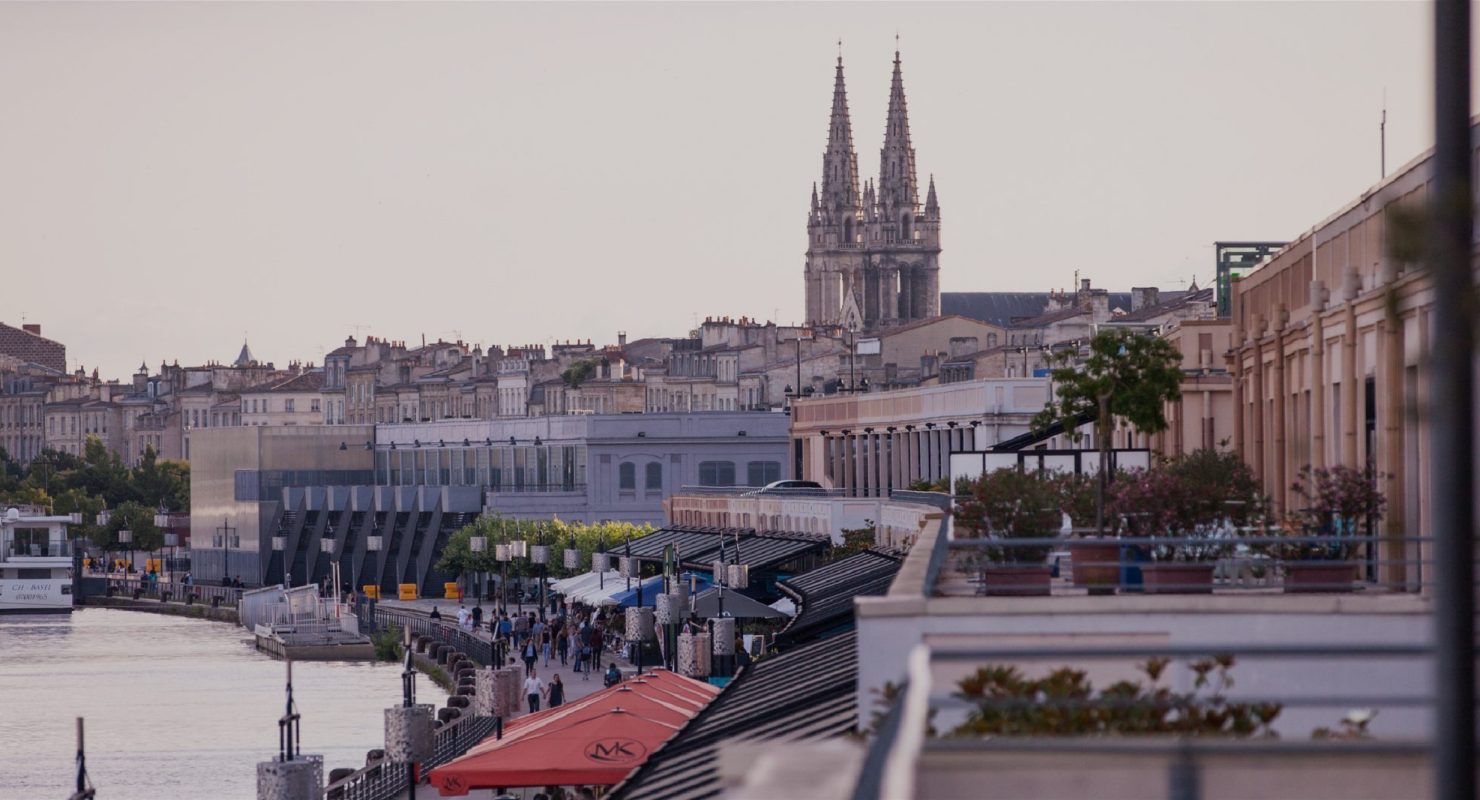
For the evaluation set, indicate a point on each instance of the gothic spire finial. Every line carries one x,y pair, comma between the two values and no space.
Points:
839,163
898,190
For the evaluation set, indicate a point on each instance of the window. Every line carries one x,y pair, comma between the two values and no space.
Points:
717,473
760,473
288,404
313,405
627,477
654,476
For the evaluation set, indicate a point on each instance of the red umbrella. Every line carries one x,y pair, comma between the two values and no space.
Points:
597,750
594,740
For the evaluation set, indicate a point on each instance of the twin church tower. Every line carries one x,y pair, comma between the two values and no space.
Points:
873,257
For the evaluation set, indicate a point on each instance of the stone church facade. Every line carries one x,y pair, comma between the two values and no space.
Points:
873,256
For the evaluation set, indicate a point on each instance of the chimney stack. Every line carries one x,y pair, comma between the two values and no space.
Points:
30,327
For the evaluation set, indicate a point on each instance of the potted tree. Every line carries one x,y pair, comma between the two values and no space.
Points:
1009,504
1337,500
1121,374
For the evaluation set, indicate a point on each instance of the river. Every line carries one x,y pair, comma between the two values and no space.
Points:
174,707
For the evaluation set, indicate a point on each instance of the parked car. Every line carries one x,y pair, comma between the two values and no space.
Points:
790,487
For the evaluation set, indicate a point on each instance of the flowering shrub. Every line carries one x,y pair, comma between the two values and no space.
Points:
1065,703
1200,497
1337,500
1011,504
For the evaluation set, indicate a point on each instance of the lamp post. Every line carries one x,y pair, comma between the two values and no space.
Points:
479,545
408,699
172,540
225,533
373,543
126,536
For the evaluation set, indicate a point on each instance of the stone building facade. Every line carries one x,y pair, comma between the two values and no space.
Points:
873,256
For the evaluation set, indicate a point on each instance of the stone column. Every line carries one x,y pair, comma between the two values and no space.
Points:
1239,445
1257,417
850,473
1317,375
1390,448
1281,392
1349,388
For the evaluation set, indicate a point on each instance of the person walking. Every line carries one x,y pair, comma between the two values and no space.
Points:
436,615
562,645
477,617
556,691
545,645
529,654
533,688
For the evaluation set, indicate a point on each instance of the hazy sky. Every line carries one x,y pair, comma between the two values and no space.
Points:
174,176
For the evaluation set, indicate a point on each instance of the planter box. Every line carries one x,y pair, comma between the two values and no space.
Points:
1096,565
1017,580
1301,576
1178,578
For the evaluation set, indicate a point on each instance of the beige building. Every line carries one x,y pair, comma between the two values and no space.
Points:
289,401
1326,353
871,444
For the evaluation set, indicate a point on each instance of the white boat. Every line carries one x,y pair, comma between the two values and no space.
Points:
35,563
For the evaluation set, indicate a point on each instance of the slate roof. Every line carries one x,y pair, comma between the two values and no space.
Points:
32,348
801,694
1002,308
1147,313
825,595
306,382
700,546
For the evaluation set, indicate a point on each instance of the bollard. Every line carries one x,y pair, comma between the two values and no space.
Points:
138,592
301,779
164,597
215,601
446,715
467,691
458,701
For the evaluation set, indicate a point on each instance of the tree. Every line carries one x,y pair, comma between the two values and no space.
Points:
1127,375
133,517
579,372
159,483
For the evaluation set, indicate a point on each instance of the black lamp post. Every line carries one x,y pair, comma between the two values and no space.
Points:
408,699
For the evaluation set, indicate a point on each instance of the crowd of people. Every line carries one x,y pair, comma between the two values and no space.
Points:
575,637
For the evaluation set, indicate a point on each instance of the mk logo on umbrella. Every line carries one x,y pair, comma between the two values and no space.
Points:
615,750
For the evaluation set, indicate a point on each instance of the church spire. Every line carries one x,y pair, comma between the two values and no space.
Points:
932,206
839,162
898,192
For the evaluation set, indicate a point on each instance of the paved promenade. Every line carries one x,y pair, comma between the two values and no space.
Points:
577,684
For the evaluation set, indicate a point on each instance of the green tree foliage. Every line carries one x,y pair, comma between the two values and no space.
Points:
458,557
855,541
134,517
1010,503
579,372
97,479
1127,375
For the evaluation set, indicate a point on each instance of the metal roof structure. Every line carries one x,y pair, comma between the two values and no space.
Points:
825,595
802,694
700,546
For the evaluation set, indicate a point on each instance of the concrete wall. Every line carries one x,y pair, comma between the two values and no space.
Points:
897,524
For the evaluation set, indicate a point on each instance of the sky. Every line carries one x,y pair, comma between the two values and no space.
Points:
176,177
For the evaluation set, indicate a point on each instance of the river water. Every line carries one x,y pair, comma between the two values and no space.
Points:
174,707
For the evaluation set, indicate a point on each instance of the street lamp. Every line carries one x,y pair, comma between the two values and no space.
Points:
172,540
126,536
477,544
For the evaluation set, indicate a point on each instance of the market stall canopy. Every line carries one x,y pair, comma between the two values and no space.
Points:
595,740
707,604
651,587
591,588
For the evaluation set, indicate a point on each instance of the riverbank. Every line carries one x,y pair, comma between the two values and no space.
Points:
195,611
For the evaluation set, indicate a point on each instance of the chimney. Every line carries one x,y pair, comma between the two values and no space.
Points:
621,338
31,328
1143,296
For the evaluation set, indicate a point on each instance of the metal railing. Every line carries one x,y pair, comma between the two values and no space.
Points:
478,649
385,780
1005,719
229,596
761,491
1223,559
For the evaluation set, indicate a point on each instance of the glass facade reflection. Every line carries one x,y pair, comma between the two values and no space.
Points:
500,468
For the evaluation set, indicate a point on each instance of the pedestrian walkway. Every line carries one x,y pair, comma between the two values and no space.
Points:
577,684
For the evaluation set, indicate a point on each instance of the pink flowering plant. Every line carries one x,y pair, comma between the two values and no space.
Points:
1198,500
1336,502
